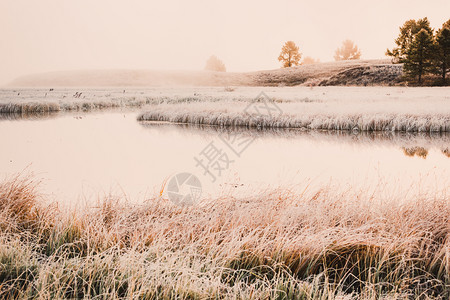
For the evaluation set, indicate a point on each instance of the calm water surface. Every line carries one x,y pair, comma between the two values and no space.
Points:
81,157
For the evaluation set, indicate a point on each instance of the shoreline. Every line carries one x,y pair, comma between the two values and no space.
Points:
332,108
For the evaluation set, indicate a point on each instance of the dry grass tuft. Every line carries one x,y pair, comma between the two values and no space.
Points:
20,204
315,245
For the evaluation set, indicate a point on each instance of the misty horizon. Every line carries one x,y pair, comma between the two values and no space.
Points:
206,149
57,36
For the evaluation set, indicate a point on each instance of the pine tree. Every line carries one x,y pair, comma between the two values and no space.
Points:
348,51
289,55
442,57
407,33
419,55
215,64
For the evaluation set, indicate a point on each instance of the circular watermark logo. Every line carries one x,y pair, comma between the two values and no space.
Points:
184,189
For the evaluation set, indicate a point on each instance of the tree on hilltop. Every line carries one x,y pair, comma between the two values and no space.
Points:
348,51
215,64
405,38
419,55
290,55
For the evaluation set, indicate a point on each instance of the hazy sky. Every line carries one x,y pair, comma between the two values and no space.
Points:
48,35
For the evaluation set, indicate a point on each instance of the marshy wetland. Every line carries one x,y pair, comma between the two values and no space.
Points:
343,193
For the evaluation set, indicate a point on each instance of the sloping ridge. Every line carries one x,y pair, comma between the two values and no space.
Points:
356,72
366,75
350,72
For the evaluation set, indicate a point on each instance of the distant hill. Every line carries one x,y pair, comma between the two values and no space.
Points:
353,72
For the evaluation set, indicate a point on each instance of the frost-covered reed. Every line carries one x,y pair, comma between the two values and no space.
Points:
315,245
353,115
48,107
28,108
328,108
388,122
331,108
38,101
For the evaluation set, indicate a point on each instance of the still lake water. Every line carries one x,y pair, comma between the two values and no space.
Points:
84,156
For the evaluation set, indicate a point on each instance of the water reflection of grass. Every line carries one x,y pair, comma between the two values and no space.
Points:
446,152
421,152
415,151
407,140
318,244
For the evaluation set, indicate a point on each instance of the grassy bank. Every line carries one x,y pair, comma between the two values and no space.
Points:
314,245
323,108
310,115
32,109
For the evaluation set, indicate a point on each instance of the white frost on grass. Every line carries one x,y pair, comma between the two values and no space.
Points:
331,108
328,108
31,101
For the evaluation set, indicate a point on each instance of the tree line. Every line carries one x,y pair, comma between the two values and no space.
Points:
422,51
290,55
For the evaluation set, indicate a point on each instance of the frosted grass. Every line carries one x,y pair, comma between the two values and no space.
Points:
319,244
330,115
327,108
36,101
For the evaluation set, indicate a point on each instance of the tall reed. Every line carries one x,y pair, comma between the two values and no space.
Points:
316,245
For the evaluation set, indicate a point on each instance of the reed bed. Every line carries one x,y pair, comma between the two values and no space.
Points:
36,108
274,245
335,108
28,108
315,116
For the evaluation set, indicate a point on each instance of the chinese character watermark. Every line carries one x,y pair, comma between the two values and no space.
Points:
263,106
184,189
214,159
